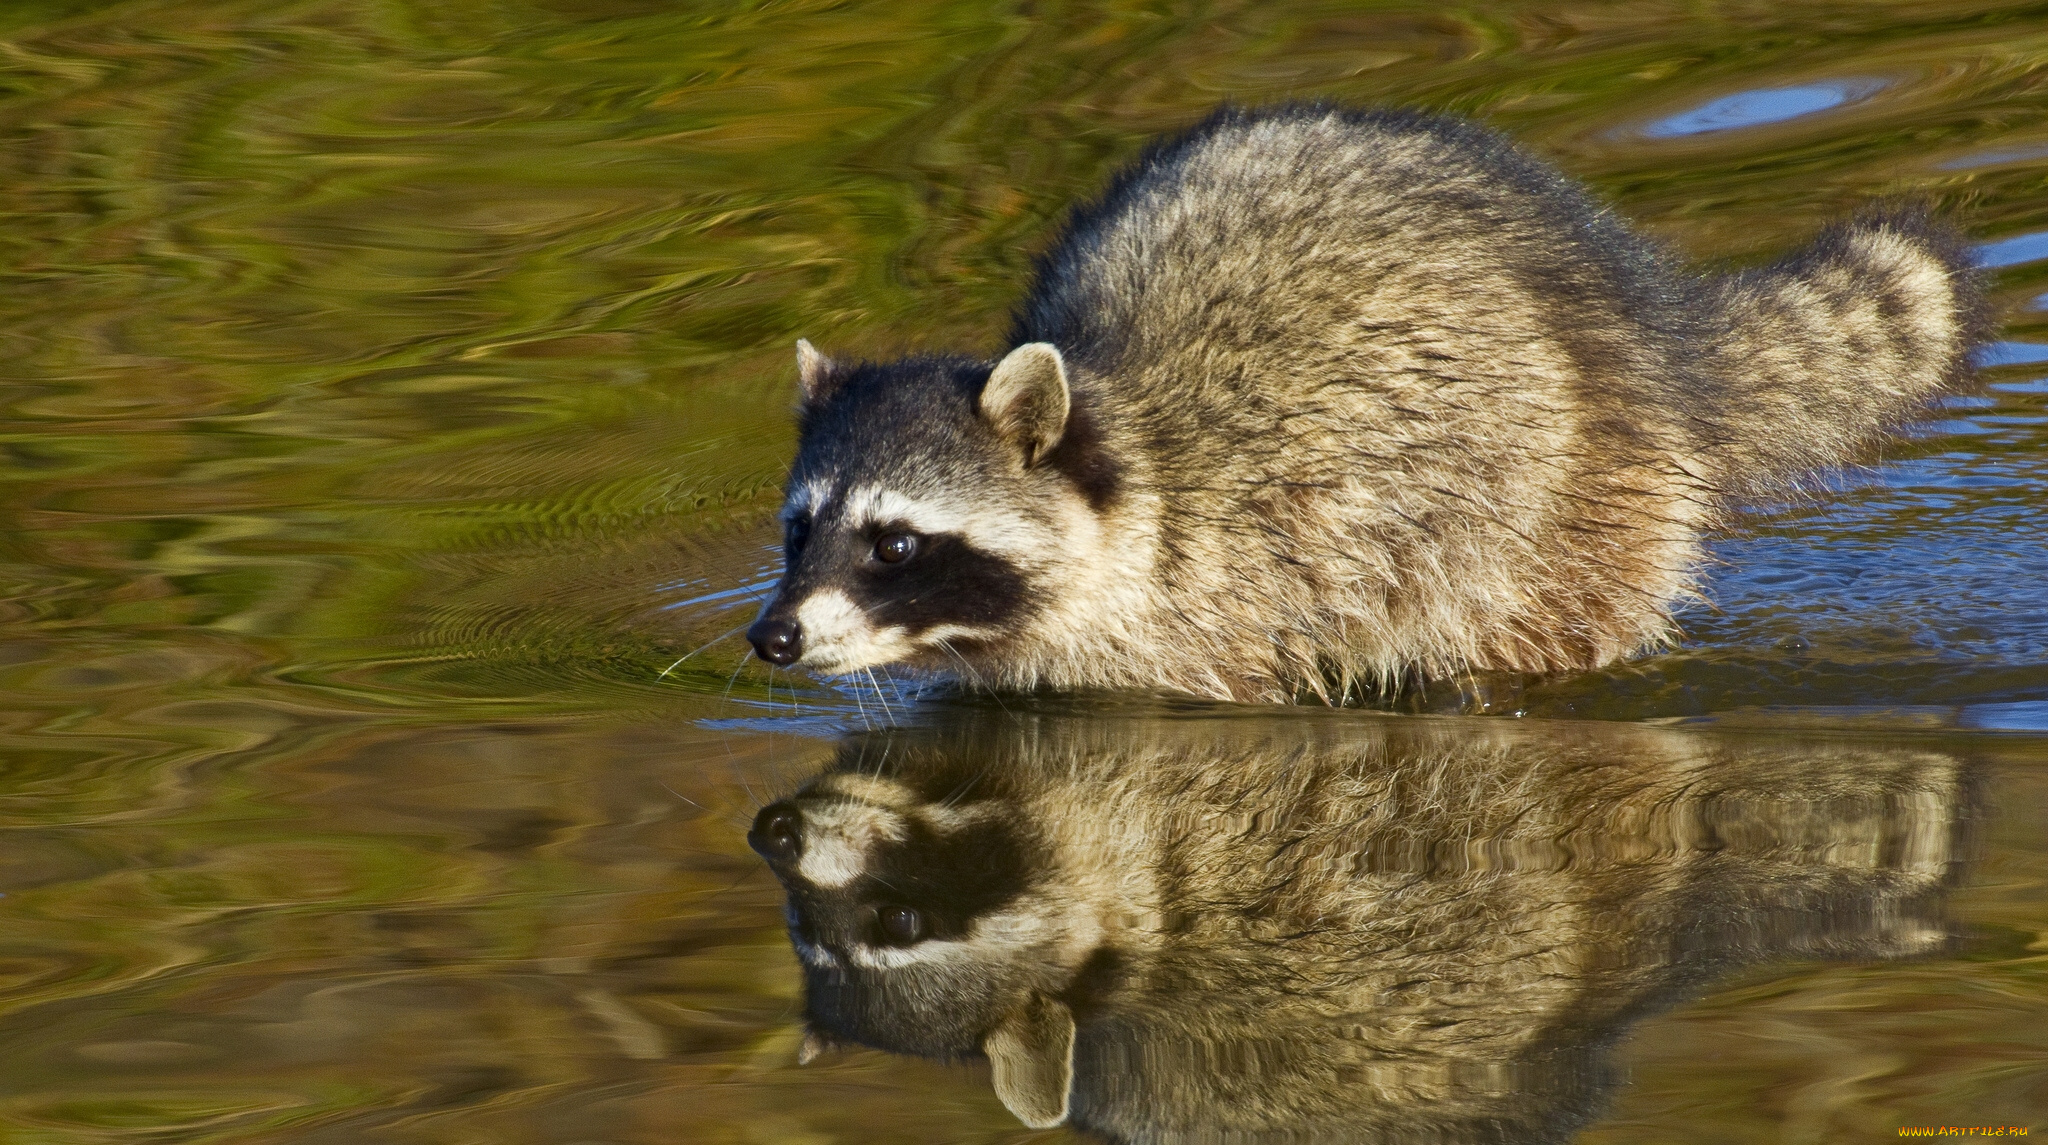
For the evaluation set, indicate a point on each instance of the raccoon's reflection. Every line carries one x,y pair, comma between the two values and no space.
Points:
1331,929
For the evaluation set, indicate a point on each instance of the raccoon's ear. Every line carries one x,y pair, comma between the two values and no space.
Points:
1032,1052
814,372
1026,399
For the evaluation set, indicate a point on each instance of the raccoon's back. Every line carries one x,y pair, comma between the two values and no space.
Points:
1299,231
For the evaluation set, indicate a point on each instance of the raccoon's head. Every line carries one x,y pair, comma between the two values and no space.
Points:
929,928
931,504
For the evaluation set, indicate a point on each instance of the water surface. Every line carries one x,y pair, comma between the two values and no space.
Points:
394,402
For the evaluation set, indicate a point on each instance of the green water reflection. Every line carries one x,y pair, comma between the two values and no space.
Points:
390,392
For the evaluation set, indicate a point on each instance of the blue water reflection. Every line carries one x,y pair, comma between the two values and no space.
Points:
2027,716
1766,105
2015,250
2012,354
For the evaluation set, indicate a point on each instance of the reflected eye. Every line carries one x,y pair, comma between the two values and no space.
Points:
795,534
902,925
895,548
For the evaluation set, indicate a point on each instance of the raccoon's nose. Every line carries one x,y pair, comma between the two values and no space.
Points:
777,833
776,641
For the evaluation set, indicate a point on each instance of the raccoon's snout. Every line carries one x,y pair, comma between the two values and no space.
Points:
779,642
778,834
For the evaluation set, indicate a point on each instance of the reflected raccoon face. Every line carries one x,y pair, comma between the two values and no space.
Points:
916,921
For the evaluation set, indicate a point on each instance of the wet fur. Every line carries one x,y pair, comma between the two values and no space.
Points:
1359,397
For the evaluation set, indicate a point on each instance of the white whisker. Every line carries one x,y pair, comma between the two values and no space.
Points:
948,648
854,691
879,697
681,796
700,648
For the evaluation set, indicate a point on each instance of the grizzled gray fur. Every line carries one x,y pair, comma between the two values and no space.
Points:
1316,400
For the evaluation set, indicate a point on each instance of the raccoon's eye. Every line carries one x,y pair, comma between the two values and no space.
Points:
795,534
895,548
902,925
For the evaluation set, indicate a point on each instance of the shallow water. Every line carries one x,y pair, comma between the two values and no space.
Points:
395,400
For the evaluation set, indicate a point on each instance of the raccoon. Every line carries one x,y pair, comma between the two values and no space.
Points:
1315,399
1377,930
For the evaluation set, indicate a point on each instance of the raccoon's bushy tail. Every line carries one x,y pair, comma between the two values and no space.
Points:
1831,347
